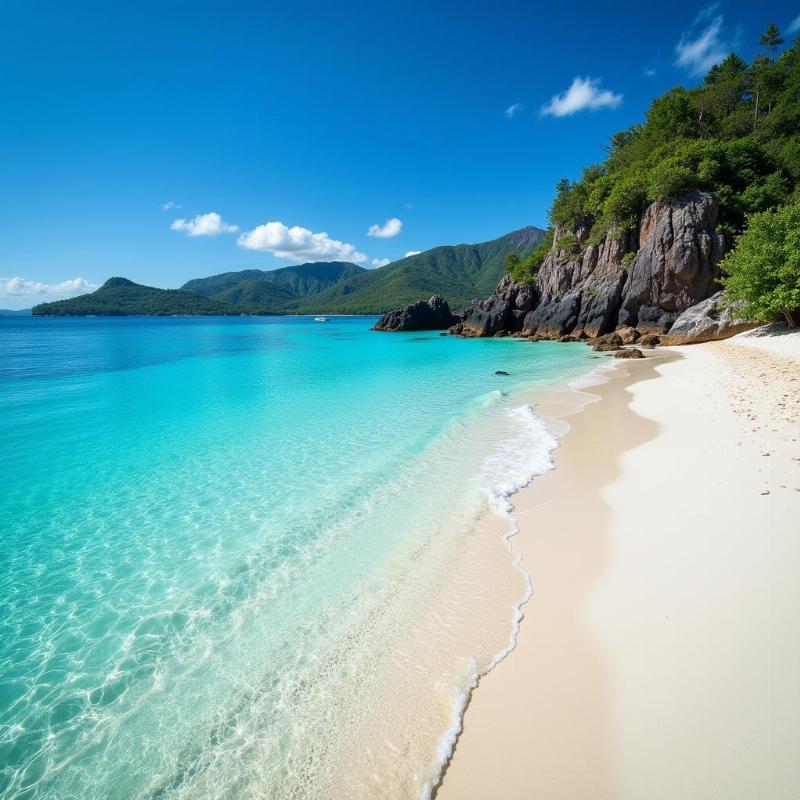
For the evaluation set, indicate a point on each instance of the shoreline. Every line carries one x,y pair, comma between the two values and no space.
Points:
557,718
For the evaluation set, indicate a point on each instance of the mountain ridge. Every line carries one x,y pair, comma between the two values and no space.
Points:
459,273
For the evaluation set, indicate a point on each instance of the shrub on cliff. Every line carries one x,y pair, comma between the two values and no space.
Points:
763,271
523,270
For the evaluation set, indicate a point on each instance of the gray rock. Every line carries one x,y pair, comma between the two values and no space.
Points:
676,265
705,322
432,315
504,310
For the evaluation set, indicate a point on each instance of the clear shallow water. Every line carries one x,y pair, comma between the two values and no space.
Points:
241,558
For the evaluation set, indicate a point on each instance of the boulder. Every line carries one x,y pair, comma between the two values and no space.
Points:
432,315
630,352
706,321
606,343
649,340
627,334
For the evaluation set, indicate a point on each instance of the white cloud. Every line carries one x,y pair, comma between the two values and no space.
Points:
389,228
513,109
412,253
702,45
210,224
649,72
169,206
583,93
298,244
794,26
19,286
380,262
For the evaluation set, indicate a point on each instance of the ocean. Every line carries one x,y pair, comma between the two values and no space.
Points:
255,557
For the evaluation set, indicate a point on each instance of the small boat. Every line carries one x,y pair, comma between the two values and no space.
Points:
320,319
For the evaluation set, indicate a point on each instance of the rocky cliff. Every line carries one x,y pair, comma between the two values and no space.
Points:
643,278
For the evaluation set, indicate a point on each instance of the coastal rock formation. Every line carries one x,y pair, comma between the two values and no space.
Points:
705,322
504,310
432,315
640,280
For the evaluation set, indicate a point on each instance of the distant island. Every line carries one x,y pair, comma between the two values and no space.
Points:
460,273
120,297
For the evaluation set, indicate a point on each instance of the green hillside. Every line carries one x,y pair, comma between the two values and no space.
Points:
121,297
292,282
459,273
257,294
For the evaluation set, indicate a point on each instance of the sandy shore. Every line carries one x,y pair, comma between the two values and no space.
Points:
660,655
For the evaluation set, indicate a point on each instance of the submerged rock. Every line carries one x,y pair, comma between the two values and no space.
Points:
432,315
706,322
501,372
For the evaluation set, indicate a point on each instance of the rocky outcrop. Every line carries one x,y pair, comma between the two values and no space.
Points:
503,311
676,264
642,279
432,315
705,322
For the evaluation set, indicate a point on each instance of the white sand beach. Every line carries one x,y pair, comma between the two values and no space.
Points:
659,655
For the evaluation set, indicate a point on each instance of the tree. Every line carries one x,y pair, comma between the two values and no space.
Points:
771,38
763,271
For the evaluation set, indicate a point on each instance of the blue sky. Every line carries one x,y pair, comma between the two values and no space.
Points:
276,133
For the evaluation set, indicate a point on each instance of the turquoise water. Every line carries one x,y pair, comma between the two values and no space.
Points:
215,534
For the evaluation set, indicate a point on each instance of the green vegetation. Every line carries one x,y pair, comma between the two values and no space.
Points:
121,297
763,272
525,269
737,135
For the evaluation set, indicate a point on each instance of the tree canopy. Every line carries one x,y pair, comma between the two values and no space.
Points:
763,272
736,134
